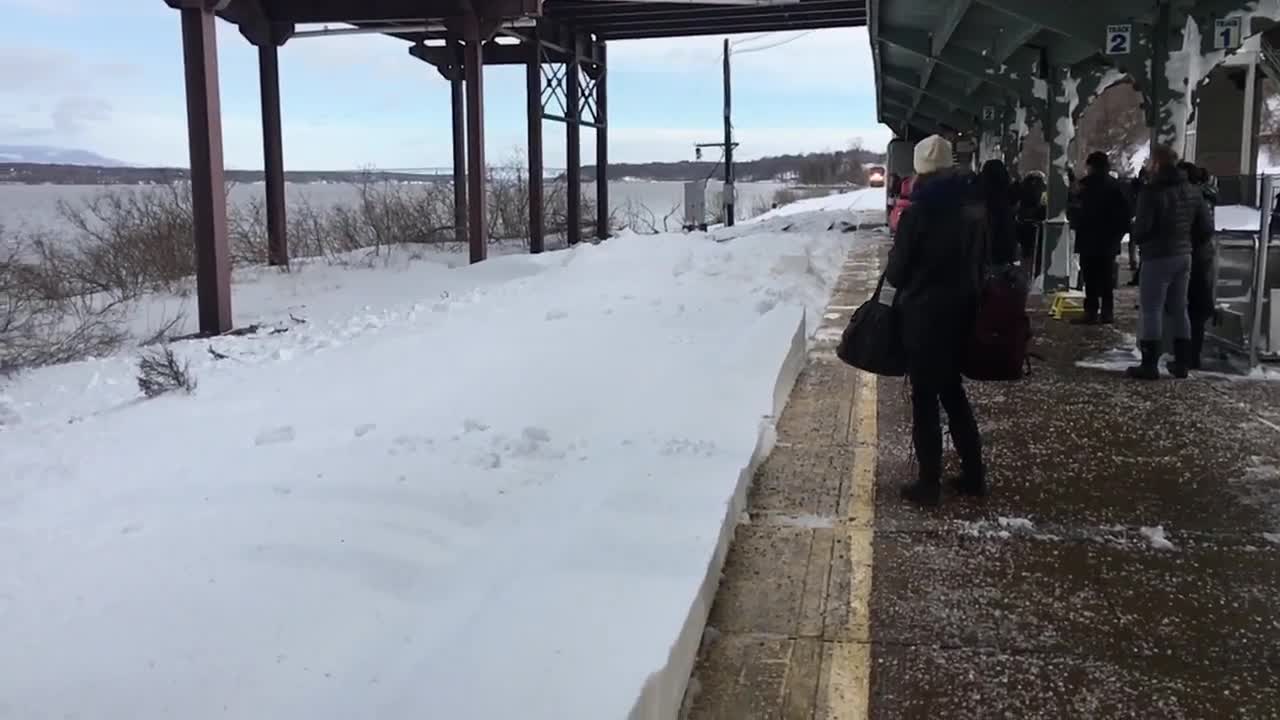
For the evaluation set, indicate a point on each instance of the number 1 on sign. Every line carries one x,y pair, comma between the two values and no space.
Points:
1226,33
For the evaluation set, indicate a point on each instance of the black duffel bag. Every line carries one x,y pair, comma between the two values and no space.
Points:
873,342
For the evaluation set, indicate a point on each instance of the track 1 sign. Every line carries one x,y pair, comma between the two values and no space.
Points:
1120,39
1227,33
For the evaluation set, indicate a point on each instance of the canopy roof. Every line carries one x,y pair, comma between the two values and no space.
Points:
607,19
939,62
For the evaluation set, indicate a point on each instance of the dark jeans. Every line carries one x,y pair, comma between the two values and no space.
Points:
927,390
1163,289
1099,284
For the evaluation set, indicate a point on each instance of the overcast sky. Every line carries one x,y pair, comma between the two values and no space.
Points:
107,77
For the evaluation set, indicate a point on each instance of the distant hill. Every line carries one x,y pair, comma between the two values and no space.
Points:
811,169
834,168
46,174
48,154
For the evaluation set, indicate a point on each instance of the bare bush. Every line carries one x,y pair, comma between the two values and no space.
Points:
160,372
640,219
1113,123
1270,135
127,242
65,297
43,321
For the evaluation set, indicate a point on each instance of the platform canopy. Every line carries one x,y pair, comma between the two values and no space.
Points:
606,19
939,63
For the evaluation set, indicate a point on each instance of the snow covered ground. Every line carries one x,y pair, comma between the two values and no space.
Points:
864,202
483,492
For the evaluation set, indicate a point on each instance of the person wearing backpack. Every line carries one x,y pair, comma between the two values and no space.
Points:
936,264
1171,215
1100,219
1200,305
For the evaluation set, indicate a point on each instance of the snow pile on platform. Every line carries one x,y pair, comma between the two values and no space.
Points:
864,202
490,492
1119,359
1237,217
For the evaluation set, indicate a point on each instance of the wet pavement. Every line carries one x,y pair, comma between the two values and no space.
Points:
1127,564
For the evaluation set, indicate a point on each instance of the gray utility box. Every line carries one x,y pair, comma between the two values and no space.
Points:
695,204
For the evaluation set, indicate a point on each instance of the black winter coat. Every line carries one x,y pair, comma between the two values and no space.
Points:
1200,287
1171,214
936,264
1101,217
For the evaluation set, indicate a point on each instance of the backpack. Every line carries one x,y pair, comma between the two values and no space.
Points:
998,348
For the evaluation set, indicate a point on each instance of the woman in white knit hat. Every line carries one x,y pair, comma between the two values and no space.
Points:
936,265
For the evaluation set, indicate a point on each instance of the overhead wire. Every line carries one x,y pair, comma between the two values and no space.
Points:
771,46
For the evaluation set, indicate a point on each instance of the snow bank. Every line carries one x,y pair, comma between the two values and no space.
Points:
1237,217
491,492
857,202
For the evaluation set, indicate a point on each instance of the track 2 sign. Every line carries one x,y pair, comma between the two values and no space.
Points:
1120,39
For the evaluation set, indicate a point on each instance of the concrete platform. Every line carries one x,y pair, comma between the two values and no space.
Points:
1127,564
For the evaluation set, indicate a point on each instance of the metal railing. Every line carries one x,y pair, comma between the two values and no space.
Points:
1246,283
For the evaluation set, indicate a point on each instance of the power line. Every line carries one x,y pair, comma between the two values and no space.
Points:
751,38
771,46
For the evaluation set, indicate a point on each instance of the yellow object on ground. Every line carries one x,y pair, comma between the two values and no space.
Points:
1067,305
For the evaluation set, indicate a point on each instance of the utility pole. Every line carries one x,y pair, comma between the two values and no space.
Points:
729,190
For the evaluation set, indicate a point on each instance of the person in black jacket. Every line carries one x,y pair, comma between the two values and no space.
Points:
936,264
1170,214
1200,289
1031,214
1100,219
993,186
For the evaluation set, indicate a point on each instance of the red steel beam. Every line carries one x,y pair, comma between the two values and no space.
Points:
573,148
458,111
477,210
602,145
533,92
273,156
208,192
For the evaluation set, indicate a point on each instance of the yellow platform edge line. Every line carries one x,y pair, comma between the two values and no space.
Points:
848,664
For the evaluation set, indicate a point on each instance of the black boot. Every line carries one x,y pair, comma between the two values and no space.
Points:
1181,361
924,494
1197,345
1086,319
1150,367
972,486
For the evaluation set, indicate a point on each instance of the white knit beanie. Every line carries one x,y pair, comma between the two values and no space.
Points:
932,154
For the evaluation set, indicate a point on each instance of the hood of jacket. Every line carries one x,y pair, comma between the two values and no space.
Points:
941,190
1168,176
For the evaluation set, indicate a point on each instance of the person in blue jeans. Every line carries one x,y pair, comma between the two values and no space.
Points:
1172,217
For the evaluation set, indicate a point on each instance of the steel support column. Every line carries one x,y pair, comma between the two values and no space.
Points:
273,155
602,143
1160,119
208,192
1057,274
533,78
729,191
458,111
477,199
573,148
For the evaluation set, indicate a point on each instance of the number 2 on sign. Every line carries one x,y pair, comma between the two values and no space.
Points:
1119,39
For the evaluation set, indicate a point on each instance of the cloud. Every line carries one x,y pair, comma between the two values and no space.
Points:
357,100
72,115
